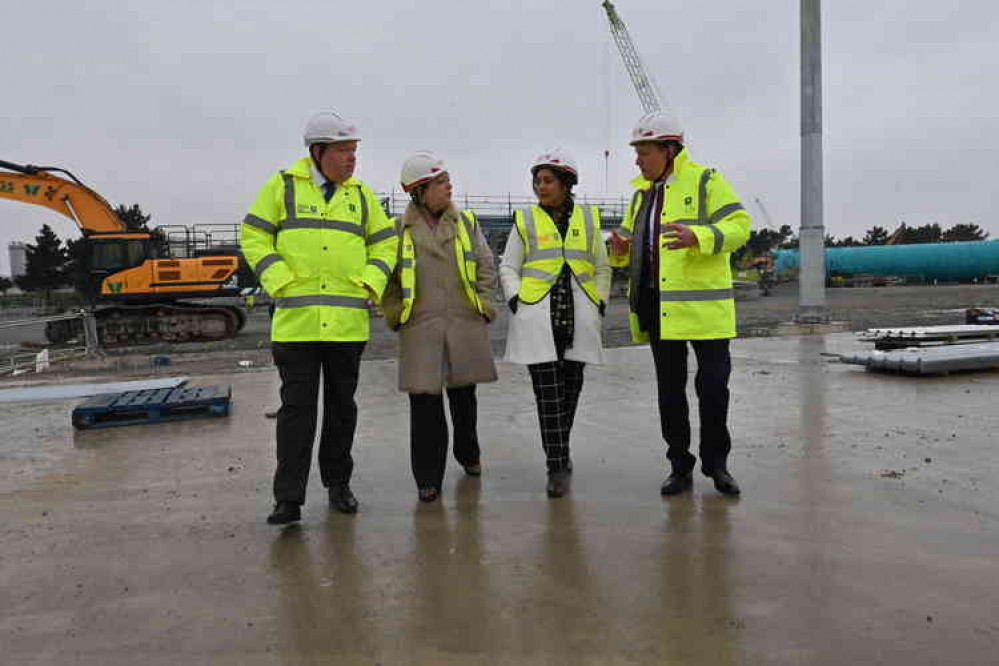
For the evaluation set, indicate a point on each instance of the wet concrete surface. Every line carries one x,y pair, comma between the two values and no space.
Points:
867,532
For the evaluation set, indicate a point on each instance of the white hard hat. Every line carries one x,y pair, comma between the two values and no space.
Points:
420,168
329,127
657,126
556,158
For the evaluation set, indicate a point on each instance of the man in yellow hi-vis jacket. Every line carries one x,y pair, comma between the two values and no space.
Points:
323,248
678,233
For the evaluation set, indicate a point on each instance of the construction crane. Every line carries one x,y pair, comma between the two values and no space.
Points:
769,224
645,86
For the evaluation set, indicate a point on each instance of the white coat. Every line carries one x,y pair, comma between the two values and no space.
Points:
529,339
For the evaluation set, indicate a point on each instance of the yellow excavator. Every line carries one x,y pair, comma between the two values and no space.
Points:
139,292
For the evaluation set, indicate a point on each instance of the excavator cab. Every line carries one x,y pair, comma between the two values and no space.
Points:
108,255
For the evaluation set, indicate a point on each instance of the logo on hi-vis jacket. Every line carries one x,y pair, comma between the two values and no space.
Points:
115,287
306,208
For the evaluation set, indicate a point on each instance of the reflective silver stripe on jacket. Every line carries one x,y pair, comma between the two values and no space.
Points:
364,210
381,265
407,292
702,196
590,230
331,225
293,222
469,224
260,223
265,263
551,253
379,236
287,302
697,295
719,239
537,273
407,262
469,255
724,212
634,201
534,254
532,235
289,196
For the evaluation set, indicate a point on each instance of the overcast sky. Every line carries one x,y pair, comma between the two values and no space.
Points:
186,107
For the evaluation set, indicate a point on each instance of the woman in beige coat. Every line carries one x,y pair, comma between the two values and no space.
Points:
438,299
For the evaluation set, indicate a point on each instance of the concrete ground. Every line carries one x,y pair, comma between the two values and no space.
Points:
867,532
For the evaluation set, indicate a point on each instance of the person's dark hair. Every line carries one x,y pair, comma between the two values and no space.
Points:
318,157
567,179
416,194
675,144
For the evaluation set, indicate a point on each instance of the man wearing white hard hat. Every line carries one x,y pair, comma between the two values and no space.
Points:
556,279
323,249
439,301
678,234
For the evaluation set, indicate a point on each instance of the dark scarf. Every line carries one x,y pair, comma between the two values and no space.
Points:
562,313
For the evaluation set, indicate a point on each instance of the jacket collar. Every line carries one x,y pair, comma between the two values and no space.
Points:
413,215
303,169
679,163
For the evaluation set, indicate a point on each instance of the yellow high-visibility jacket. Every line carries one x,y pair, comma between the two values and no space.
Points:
545,251
696,299
464,255
320,261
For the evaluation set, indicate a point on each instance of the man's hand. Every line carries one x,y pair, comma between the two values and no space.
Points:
678,236
374,304
619,245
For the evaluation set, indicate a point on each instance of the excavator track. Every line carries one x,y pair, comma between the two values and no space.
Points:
127,325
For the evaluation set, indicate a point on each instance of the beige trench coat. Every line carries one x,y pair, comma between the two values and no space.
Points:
446,341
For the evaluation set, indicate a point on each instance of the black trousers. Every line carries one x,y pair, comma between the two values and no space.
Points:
300,365
557,385
428,437
714,367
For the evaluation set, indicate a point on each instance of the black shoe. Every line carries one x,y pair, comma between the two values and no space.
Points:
724,483
429,494
676,483
475,469
284,513
558,484
342,499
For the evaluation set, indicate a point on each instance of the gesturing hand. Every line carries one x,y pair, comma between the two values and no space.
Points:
678,236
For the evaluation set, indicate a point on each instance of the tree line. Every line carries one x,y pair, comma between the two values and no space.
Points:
763,241
51,263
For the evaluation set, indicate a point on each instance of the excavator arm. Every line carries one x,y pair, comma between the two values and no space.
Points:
69,197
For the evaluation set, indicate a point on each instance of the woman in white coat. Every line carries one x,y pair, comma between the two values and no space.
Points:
556,279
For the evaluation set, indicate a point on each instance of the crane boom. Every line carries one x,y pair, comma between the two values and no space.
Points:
35,185
766,214
647,93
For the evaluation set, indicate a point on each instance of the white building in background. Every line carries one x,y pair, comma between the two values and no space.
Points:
18,258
